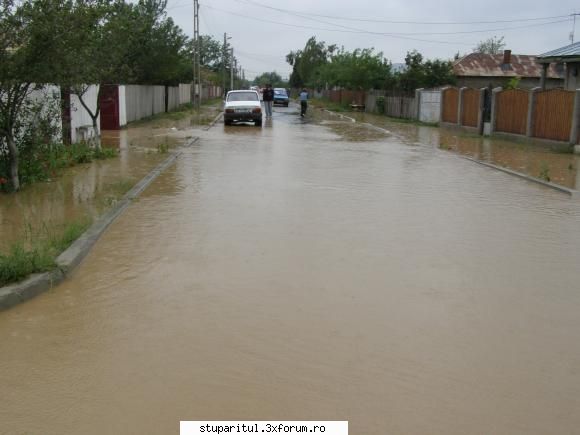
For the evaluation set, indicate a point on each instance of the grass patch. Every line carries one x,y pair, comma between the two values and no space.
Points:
42,162
38,249
330,105
113,192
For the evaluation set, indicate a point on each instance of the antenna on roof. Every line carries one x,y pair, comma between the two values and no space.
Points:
573,27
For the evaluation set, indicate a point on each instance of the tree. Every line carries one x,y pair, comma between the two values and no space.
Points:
272,78
493,45
19,69
359,69
424,74
306,63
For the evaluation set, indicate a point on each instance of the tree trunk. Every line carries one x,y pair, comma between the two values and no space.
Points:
13,162
97,137
66,116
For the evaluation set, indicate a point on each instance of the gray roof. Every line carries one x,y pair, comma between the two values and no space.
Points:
572,50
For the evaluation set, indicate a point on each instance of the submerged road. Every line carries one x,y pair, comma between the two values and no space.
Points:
288,273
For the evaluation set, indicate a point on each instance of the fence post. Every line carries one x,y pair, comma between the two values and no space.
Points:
480,110
460,106
418,93
531,109
575,120
442,102
494,93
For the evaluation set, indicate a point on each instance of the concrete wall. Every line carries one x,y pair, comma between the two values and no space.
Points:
48,100
81,122
184,93
430,106
172,98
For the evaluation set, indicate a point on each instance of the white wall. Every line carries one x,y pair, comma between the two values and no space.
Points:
430,109
184,93
81,122
48,97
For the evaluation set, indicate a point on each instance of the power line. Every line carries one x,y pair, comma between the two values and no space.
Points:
336,30
375,20
404,33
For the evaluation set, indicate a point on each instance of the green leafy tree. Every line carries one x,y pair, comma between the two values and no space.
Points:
424,74
272,78
359,69
306,63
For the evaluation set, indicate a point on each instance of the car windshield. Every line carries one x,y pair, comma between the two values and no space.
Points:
243,96
280,92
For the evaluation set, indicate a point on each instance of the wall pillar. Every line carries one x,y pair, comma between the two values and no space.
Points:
575,120
442,103
494,93
418,93
531,110
480,110
460,106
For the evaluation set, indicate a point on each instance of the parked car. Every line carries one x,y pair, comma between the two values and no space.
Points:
281,96
243,106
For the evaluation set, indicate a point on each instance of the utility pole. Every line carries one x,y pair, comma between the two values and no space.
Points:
224,57
573,27
197,54
232,69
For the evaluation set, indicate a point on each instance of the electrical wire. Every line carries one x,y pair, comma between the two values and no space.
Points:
336,30
374,20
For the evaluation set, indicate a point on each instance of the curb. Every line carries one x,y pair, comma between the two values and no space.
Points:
573,193
37,283
338,114
216,119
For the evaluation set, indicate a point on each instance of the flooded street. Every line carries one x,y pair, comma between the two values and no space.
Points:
289,273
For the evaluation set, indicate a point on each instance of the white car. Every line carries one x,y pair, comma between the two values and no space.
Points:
243,106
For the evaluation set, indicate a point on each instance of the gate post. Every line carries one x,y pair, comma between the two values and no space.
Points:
442,102
494,93
480,111
418,93
531,109
460,106
575,120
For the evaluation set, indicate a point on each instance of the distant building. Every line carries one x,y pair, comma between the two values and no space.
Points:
480,70
568,56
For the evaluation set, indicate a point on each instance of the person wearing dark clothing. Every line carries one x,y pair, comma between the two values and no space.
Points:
303,102
268,97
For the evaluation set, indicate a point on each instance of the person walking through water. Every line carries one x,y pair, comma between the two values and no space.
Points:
268,97
303,102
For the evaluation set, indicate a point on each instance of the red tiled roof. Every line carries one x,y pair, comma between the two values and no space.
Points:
491,65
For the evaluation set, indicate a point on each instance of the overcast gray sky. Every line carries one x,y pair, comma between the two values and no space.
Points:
262,46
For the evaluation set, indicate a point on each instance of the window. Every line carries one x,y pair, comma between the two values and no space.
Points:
243,96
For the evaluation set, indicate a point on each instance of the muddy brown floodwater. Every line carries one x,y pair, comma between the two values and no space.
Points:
287,273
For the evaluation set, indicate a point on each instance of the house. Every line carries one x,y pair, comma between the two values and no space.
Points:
568,56
480,70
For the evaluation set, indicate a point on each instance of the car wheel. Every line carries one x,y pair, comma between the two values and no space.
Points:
286,105
226,122
258,122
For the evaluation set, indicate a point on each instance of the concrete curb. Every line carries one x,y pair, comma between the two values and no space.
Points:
573,193
37,283
338,114
216,119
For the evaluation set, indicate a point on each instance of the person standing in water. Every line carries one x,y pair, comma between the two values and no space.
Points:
268,97
303,102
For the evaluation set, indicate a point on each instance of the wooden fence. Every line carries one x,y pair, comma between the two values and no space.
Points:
343,96
553,114
450,100
511,111
470,107
400,107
